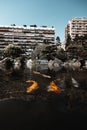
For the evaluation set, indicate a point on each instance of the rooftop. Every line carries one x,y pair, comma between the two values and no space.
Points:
29,27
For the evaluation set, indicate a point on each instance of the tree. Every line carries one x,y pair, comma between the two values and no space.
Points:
68,41
58,40
13,25
77,38
61,54
74,50
25,25
38,50
8,64
83,54
45,41
50,52
12,51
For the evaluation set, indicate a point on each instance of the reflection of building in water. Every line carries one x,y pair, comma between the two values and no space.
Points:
26,36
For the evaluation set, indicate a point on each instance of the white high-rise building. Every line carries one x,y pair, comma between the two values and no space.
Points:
76,26
26,36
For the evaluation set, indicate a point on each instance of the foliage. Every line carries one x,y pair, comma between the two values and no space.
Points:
80,39
58,40
38,50
61,54
83,54
8,63
77,46
12,51
68,41
75,50
50,51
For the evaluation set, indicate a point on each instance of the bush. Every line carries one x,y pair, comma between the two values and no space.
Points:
12,51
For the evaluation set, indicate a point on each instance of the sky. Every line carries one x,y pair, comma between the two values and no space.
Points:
50,13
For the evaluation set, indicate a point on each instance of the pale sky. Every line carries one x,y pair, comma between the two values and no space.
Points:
50,13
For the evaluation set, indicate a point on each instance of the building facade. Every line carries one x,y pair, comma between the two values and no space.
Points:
76,26
26,36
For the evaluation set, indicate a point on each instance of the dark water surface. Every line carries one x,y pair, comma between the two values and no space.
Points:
19,114
41,109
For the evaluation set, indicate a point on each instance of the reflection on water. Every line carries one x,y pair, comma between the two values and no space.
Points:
33,86
53,88
70,84
75,83
29,65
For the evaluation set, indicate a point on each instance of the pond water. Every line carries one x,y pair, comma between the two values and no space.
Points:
41,108
71,83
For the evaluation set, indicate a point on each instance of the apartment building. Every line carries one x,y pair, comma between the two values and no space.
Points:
26,36
76,26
